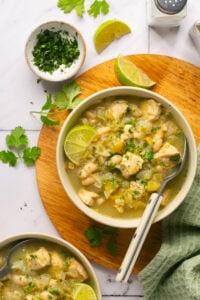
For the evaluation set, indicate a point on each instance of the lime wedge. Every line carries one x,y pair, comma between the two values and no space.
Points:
83,291
107,32
129,74
77,141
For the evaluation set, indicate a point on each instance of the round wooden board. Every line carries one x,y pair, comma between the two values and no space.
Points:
177,80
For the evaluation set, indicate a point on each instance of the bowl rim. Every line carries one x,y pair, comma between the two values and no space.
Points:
45,75
119,222
64,243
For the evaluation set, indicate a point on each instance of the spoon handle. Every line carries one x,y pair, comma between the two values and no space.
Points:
138,238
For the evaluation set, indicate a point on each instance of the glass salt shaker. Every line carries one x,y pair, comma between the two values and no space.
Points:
195,34
166,13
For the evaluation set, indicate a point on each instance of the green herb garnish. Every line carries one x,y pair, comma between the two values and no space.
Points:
68,5
53,49
17,142
64,100
97,7
96,235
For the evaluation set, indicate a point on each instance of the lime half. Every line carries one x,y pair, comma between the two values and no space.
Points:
77,141
107,32
129,74
83,291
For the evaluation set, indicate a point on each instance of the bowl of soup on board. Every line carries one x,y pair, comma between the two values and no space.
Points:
115,149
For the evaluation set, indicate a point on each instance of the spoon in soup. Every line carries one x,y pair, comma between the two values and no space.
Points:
6,268
146,221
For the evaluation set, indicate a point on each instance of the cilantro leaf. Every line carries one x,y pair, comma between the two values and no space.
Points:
95,236
17,138
68,5
48,121
97,7
61,100
71,90
30,155
111,246
66,99
8,157
75,103
48,104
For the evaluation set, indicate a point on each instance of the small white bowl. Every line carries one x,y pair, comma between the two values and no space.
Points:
62,73
125,91
72,249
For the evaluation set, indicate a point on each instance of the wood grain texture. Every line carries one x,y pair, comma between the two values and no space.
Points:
177,80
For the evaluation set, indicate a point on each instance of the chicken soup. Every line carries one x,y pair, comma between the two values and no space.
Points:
41,270
137,143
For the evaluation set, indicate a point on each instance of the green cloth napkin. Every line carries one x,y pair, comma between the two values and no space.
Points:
174,273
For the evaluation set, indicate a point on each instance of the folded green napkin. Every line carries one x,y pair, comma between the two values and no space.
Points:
174,273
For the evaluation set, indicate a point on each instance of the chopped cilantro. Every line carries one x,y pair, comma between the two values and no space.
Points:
54,49
130,146
148,155
175,157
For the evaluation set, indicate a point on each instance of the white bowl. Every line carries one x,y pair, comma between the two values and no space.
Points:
72,249
62,73
94,99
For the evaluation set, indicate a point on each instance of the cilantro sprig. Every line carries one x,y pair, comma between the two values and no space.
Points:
97,7
65,100
17,142
95,235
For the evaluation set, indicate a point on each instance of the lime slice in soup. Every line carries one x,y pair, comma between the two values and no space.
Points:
77,141
82,291
129,74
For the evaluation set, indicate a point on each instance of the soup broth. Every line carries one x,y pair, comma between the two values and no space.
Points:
138,143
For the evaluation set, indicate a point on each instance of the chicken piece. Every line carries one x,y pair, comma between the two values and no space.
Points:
119,205
114,161
137,190
150,109
87,197
76,270
135,110
88,169
19,280
131,163
38,259
118,109
127,132
166,151
56,260
47,295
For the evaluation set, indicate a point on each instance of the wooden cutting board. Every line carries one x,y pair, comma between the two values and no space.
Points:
177,80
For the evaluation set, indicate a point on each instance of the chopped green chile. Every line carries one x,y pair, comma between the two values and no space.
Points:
54,49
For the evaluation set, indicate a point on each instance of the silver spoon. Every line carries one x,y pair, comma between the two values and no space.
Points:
6,268
145,223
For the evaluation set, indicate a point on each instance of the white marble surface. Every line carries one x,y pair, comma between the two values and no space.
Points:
21,208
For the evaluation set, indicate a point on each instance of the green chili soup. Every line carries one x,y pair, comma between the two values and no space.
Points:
138,142
41,270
